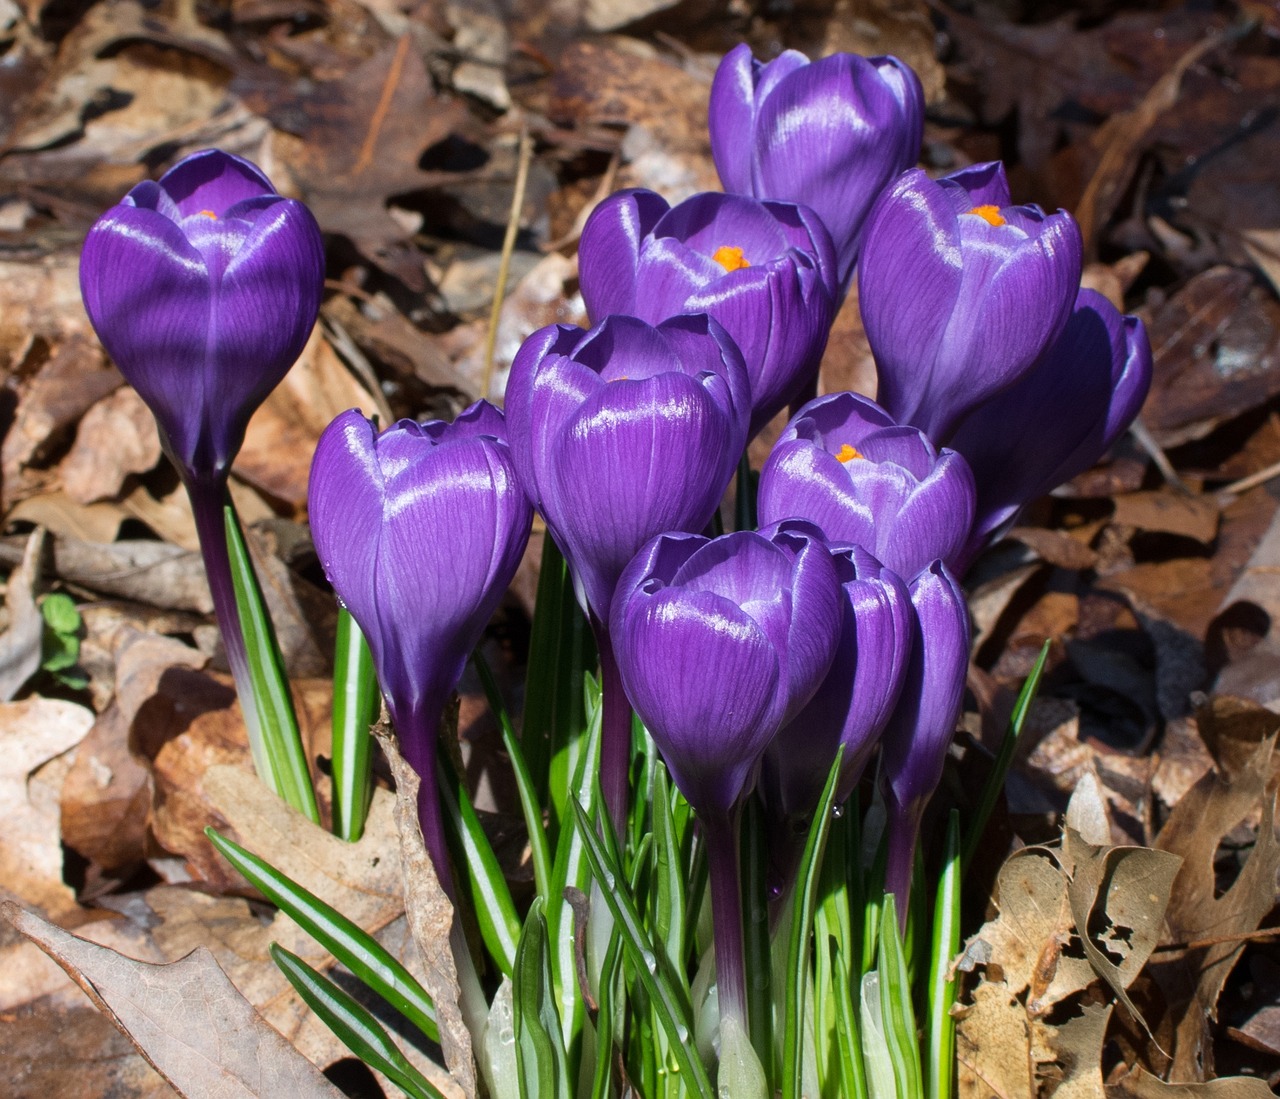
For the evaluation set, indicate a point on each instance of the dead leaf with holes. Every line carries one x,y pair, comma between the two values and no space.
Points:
1192,979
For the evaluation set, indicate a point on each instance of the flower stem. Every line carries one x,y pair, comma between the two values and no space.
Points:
419,733
721,832
615,734
903,830
208,497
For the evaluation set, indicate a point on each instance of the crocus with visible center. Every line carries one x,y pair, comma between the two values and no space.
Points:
961,292
203,287
844,464
1059,419
619,434
420,530
829,134
914,746
764,270
718,643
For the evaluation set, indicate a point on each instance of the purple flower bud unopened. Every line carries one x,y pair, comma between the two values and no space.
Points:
914,746
844,464
420,530
203,287
961,293
857,696
719,642
1060,418
764,270
829,134
623,432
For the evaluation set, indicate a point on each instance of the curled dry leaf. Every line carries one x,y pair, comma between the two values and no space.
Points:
186,1018
1140,1084
117,437
1192,979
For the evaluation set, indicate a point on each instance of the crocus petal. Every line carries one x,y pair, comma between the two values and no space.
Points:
915,743
610,245
146,290
212,181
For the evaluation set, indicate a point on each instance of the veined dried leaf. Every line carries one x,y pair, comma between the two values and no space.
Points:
1140,1084
186,1018
1076,1047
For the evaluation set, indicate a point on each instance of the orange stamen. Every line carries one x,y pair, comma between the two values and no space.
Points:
208,214
848,453
989,214
730,257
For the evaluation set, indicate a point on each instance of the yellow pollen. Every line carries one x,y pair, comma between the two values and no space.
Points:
989,214
848,453
208,214
730,257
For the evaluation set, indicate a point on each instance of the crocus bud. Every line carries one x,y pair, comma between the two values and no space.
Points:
203,287
718,642
914,746
623,432
844,464
829,134
1060,418
419,530
764,270
961,293
855,699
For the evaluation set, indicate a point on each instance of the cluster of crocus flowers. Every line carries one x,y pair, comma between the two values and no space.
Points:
752,658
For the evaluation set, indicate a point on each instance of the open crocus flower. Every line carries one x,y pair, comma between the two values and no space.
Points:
419,530
829,134
764,270
203,287
914,746
960,292
719,642
844,464
1060,418
856,698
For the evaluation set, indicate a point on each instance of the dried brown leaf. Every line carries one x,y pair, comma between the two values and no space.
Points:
116,437
1140,1084
186,1018
1194,517
35,736
1076,1049
1192,980
993,1046
20,644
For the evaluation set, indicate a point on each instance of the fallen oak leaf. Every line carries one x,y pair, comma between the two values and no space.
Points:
186,1018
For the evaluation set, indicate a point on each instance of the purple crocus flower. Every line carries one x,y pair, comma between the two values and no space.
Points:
856,698
914,746
203,287
1059,419
844,464
829,134
419,530
961,293
619,434
764,270
718,643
